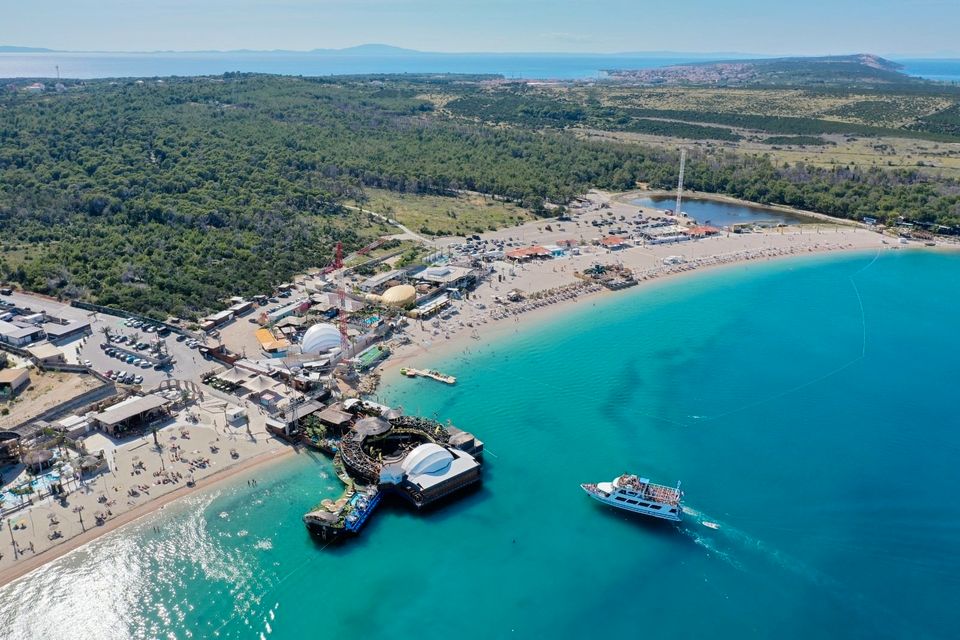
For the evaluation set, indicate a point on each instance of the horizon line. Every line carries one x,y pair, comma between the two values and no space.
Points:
403,50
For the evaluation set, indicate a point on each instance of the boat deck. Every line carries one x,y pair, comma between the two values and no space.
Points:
650,491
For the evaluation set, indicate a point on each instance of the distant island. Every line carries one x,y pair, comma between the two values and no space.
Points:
10,49
852,70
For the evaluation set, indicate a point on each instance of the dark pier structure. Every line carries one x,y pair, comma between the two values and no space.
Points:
377,451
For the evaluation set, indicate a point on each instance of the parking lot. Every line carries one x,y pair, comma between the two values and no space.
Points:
188,363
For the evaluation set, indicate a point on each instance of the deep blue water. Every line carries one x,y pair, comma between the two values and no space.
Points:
943,69
111,65
807,405
533,66
720,214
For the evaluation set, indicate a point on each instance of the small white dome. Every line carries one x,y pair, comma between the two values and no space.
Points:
320,338
427,458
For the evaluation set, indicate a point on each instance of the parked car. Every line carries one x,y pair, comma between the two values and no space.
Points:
181,338
87,364
137,379
109,373
145,364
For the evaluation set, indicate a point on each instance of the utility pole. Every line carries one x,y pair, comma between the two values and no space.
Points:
10,527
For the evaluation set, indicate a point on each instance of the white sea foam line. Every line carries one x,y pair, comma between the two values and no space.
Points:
870,264
863,354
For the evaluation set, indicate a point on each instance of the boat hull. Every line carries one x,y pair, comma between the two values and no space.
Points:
664,513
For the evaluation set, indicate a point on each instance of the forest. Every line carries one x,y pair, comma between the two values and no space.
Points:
167,196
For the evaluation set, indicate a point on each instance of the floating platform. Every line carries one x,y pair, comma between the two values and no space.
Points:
428,373
381,452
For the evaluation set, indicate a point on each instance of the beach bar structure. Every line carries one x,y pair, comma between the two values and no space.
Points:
378,451
133,413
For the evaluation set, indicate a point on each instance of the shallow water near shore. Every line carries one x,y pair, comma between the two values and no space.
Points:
806,404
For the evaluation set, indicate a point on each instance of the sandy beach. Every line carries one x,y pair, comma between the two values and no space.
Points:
140,481
551,287
202,450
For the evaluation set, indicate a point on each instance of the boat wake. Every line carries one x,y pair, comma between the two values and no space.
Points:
743,551
732,545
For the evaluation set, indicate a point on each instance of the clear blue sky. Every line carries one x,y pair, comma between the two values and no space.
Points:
905,27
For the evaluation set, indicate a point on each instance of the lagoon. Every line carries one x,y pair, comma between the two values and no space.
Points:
721,214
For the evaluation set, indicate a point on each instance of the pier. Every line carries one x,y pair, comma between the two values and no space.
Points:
377,451
428,373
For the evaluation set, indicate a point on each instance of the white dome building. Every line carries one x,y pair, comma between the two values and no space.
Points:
320,338
427,458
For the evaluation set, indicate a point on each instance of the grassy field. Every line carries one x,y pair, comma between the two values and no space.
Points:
441,215
389,248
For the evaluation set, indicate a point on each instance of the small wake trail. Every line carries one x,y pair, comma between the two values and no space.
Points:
727,541
742,551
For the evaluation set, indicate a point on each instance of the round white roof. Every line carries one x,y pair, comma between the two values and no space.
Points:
320,338
427,458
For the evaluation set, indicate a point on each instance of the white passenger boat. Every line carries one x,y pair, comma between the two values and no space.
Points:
639,495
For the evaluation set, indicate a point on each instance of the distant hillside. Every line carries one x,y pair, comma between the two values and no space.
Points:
853,70
9,49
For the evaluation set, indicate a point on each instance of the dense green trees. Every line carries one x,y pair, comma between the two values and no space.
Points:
165,197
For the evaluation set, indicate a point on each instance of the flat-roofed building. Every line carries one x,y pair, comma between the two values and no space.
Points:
380,281
297,306
430,472
132,413
57,332
450,277
46,353
13,381
17,335
241,308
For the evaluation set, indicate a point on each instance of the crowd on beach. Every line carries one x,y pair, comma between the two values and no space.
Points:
545,298
571,291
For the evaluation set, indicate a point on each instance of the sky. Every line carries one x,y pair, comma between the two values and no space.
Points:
808,27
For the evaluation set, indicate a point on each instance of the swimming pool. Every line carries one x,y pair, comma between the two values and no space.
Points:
39,484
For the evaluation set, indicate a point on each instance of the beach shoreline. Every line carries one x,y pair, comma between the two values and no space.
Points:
485,324
417,355
70,544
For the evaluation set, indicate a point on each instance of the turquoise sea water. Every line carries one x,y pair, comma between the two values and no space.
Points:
807,405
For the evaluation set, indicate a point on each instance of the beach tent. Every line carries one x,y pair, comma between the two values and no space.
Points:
234,376
259,384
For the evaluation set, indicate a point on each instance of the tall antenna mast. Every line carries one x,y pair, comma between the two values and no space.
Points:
342,295
683,162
